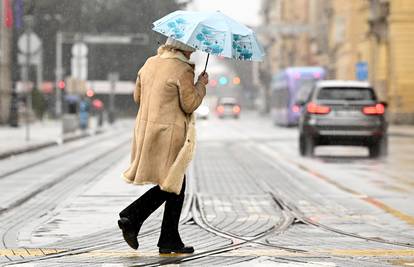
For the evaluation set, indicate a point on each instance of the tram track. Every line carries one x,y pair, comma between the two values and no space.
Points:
59,154
306,220
288,199
91,242
200,220
283,225
237,241
291,214
54,190
45,186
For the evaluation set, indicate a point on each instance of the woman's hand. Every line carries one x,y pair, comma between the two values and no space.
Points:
203,78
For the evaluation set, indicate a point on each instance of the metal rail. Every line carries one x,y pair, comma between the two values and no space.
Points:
201,221
301,217
55,156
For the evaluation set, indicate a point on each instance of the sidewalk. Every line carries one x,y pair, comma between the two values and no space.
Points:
42,134
401,130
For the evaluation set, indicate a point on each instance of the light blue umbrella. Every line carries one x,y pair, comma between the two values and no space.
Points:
213,33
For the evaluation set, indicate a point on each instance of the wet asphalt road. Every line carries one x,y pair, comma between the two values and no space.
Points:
252,201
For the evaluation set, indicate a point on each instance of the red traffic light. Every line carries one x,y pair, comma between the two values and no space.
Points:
90,93
213,83
61,84
97,104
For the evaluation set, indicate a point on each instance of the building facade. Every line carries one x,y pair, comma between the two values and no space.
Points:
353,39
286,36
401,60
380,34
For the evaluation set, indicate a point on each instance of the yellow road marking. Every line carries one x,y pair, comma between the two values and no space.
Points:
373,201
238,253
48,251
396,213
26,252
266,252
402,262
373,252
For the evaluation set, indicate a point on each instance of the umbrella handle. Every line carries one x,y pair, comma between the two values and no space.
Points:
205,68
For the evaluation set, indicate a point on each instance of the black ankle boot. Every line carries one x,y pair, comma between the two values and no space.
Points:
183,250
129,232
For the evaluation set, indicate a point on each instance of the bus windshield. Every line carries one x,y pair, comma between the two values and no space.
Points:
305,90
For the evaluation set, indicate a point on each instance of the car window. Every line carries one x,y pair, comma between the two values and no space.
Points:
227,101
346,93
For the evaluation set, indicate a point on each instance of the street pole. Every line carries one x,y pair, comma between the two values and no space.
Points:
5,67
39,70
59,74
25,74
113,78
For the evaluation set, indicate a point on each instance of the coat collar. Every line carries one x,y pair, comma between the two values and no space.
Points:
164,53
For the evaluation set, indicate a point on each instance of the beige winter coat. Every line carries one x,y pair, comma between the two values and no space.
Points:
164,134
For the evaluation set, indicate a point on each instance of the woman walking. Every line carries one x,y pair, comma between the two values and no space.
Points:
163,143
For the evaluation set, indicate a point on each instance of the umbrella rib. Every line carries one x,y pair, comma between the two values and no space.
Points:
193,32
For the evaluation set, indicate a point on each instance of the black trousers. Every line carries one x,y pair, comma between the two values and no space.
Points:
139,210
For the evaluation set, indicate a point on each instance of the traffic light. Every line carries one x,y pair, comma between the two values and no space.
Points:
90,93
213,83
97,104
61,85
223,80
236,80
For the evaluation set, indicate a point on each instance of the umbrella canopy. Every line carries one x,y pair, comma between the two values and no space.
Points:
211,32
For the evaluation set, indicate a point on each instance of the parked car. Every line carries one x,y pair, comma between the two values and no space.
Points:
343,113
228,107
202,112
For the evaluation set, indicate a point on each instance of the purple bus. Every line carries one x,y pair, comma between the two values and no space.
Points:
288,86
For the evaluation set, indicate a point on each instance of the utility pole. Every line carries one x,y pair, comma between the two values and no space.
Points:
113,77
59,74
5,66
25,73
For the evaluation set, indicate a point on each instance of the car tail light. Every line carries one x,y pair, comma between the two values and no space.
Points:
220,109
378,109
295,108
318,109
236,109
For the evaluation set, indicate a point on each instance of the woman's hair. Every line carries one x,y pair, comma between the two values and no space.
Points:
169,48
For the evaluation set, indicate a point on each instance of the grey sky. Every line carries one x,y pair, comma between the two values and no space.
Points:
244,11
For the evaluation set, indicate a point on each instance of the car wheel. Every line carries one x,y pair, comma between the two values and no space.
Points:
379,148
306,146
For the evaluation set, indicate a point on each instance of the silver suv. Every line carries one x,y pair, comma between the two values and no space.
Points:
343,113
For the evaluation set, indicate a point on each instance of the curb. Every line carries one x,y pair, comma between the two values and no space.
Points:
400,134
31,148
